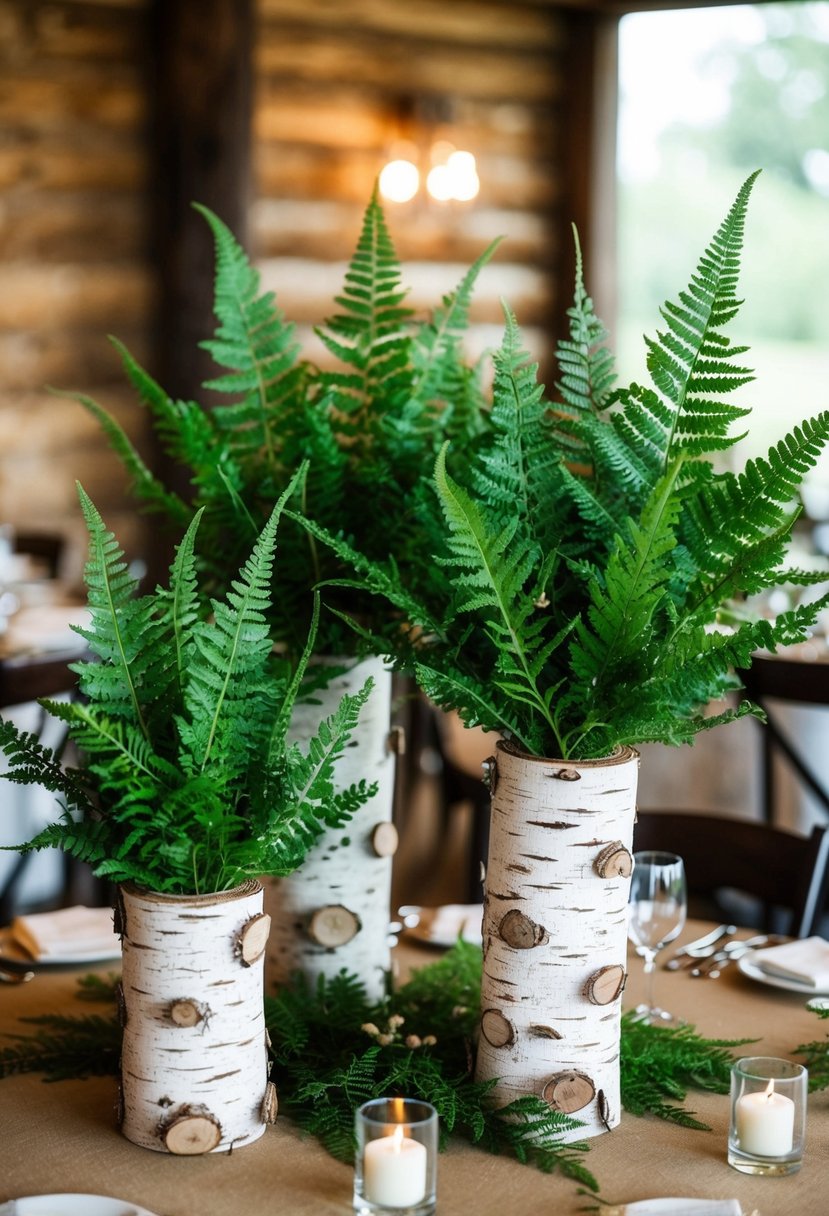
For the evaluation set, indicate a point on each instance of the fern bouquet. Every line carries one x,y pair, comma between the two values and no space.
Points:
589,565
369,421
189,783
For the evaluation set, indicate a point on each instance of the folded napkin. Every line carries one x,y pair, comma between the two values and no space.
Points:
456,920
69,932
805,960
680,1207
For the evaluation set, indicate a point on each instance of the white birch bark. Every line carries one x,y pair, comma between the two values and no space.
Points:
334,911
555,932
194,1068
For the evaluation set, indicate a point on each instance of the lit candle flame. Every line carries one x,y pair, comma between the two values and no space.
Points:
397,1139
770,1090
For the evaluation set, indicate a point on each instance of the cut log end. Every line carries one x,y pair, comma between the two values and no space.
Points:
333,926
254,938
497,1029
191,1135
614,861
605,985
384,839
518,931
568,1092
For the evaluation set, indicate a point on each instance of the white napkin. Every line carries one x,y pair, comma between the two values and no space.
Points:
805,960
452,921
69,932
681,1207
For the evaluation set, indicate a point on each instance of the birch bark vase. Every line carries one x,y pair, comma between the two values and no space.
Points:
333,912
194,1066
555,932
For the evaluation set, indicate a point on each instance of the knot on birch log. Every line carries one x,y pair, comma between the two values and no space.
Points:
384,839
333,926
270,1104
568,1091
254,938
497,1029
518,931
605,985
187,1012
564,774
614,861
194,1130
539,1031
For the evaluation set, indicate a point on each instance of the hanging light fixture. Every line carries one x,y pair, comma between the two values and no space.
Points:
450,173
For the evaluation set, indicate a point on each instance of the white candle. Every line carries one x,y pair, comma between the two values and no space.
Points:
394,1170
765,1123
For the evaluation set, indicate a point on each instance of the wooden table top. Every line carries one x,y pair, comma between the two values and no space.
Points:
62,1137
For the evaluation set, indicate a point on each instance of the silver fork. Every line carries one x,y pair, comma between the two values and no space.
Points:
711,967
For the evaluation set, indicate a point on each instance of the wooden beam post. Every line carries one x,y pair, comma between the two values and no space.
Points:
201,113
588,158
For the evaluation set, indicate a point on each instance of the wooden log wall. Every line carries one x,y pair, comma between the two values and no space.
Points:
74,265
329,78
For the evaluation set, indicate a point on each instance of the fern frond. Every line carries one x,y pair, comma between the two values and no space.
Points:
143,483
253,341
370,335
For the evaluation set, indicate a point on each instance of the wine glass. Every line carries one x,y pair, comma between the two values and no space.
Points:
657,910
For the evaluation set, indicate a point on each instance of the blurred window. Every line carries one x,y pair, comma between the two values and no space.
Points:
707,95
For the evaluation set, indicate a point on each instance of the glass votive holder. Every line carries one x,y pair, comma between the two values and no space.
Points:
395,1168
768,1115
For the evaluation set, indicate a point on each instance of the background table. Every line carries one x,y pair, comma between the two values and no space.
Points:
63,1136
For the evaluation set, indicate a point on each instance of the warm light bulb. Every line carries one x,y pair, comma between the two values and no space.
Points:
399,180
455,180
439,183
465,180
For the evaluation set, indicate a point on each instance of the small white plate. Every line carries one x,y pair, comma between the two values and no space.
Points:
750,968
11,952
72,1205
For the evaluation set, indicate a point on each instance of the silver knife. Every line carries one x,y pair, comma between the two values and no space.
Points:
693,949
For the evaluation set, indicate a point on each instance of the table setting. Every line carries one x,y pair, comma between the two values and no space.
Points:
266,1040
644,1160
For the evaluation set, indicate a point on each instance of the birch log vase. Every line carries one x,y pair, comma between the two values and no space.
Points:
194,1060
555,932
333,912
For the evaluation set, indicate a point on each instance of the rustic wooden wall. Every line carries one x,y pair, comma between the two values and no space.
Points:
332,75
77,187
73,255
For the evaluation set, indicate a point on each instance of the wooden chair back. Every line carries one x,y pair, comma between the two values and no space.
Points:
777,867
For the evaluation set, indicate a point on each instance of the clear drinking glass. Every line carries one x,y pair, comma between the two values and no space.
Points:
657,910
